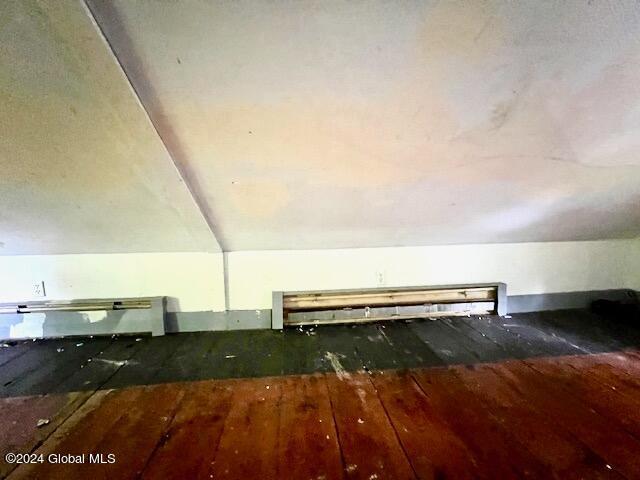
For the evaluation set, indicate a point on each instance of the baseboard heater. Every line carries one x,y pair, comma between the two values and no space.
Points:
76,306
378,304
39,319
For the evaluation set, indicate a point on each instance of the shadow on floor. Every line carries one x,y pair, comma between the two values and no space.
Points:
72,364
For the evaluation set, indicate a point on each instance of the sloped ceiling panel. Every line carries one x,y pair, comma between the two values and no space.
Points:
82,169
317,124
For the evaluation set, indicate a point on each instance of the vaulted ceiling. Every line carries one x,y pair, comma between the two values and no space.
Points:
82,169
319,124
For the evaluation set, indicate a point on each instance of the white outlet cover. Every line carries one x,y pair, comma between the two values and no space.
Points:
38,289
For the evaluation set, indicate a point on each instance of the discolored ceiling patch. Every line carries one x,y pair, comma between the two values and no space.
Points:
355,124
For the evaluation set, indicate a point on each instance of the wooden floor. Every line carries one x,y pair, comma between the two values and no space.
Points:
553,395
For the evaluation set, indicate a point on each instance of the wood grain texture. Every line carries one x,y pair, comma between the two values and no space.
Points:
456,398
248,447
308,439
188,448
433,448
369,443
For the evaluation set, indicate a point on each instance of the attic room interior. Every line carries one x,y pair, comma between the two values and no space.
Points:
364,239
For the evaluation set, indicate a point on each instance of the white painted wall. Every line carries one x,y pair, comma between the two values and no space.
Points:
194,281
527,268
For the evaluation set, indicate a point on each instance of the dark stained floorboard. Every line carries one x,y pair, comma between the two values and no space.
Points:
514,345
11,350
57,370
369,443
448,345
621,410
433,448
557,448
548,395
308,444
248,447
609,370
188,447
246,354
375,350
82,433
339,342
491,443
411,350
615,445
133,438
482,346
41,355
146,363
543,339
103,366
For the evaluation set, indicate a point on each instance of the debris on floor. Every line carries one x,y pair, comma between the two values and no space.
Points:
361,421
336,365
229,356
79,344
42,422
116,363
60,349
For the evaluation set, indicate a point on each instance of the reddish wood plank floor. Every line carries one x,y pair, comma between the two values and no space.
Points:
561,417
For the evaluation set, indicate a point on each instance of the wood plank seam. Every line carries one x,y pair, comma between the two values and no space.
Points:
67,417
393,426
335,424
580,400
162,439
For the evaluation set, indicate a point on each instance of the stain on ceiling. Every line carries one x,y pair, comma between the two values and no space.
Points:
331,124
367,123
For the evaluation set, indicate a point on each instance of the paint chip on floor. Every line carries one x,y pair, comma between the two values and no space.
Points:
115,363
337,366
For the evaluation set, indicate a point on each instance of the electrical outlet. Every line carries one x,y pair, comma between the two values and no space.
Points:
38,289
